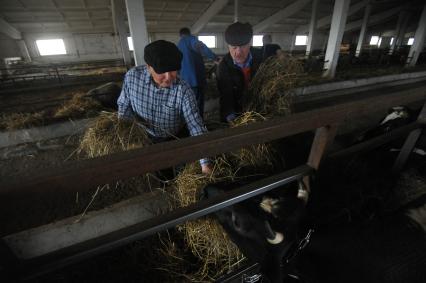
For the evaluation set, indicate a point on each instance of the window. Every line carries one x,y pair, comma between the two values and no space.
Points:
374,40
51,47
410,41
258,40
208,40
301,40
391,41
130,43
380,42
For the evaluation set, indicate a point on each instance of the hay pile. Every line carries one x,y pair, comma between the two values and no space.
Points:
16,121
271,90
258,157
79,106
205,237
108,134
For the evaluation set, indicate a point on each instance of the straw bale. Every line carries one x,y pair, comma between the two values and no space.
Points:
109,134
271,90
79,106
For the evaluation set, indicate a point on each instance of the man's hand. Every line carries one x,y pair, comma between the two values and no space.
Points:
206,169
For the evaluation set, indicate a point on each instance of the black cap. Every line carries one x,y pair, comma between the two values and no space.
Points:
238,34
163,56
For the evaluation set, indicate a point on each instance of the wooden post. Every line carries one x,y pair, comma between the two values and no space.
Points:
324,136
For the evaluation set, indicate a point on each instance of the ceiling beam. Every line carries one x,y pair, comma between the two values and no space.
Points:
281,14
373,19
9,30
211,11
325,21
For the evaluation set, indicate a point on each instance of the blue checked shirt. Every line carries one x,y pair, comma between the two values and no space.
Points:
164,111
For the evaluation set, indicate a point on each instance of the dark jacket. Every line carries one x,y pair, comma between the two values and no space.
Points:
230,82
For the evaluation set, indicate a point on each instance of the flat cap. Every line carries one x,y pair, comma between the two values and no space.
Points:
163,56
238,34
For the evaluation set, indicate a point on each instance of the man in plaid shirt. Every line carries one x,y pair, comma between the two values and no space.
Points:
154,95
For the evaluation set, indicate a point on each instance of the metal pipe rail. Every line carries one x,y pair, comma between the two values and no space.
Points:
131,163
138,231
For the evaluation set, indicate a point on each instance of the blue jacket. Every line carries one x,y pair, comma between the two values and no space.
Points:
193,50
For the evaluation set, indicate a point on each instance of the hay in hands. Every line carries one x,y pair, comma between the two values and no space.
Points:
109,134
79,106
258,156
205,237
16,121
271,89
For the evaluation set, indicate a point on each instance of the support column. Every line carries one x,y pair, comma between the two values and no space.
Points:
138,31
118,6
236,10
363,29
403,31
337,29
24,50
419,41
397,32
312,28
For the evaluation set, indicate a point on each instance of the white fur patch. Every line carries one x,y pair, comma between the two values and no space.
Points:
278,239
268,203
419,151
398,113
303,194
418,215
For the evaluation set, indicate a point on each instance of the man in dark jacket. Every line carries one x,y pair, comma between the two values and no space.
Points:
236,69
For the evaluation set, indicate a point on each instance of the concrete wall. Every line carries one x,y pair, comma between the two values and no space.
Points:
80,47
8,48
105,46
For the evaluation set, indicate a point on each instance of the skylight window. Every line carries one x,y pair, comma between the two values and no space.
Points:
51,47
410,41
301,40
208,40
375,40
258,40
130,43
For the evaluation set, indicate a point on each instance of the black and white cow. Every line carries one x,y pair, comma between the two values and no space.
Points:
270,229
357,237
264,227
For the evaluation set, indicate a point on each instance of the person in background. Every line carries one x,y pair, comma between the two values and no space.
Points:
269,49
161,102
193,70
236,69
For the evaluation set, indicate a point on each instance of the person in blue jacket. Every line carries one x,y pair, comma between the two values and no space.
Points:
193,70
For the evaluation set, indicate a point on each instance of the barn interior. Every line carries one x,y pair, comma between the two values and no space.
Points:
85,197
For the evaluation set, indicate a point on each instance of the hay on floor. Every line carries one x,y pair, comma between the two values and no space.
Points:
108,134
17,121
79,106
271,90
